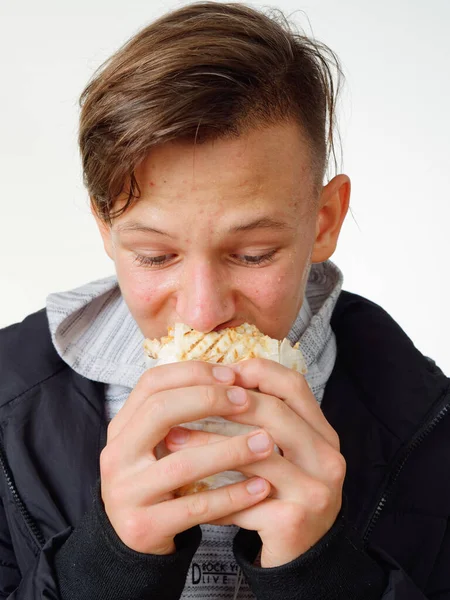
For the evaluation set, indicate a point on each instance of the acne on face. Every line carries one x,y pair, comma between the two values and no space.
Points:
196,203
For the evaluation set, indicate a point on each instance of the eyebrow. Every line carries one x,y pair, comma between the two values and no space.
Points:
262,223
135,226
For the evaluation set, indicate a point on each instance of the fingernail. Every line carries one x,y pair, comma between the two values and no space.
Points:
237,396
256,486
259,442
223,373
178,436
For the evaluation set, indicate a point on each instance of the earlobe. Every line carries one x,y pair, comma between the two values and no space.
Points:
105,232
333,208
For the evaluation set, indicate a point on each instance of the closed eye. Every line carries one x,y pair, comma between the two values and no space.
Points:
250,259
246,259
153,261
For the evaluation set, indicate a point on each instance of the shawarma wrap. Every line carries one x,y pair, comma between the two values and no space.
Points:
224,347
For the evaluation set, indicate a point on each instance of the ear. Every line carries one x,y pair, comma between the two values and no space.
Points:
105,231
333,207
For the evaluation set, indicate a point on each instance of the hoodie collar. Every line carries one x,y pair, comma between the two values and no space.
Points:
94,332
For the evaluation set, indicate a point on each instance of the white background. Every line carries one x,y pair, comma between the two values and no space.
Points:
395,127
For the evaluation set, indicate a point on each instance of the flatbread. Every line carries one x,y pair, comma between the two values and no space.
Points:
227,346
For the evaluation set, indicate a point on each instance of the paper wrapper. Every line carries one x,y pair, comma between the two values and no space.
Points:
223,347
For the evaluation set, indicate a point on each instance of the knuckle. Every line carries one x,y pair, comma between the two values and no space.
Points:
294,514
148,376
157,407
113,497
258,364
198,369
231,498
210,397
108,462
148,382
336,469
197,507
176,469
281,409
133,530
112,429
236,453
320,498
298,382
335,440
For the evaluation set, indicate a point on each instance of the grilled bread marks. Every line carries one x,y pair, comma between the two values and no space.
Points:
226,346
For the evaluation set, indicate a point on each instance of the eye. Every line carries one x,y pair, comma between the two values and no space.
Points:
246,259
251,260
153,261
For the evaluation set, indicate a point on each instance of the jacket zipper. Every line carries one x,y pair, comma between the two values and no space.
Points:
427,429
31,524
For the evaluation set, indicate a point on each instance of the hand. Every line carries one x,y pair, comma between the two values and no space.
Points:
306,481
137,489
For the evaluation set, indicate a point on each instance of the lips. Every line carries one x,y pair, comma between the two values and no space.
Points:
227,325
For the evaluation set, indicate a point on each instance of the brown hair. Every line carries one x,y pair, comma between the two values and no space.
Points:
205,71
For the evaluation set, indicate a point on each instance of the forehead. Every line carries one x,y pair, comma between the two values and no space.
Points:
264,171
257,160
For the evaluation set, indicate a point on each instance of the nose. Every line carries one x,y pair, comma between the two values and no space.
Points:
205,298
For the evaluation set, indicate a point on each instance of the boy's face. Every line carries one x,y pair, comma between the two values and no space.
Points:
224,233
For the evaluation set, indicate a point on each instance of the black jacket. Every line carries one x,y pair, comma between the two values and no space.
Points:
388,403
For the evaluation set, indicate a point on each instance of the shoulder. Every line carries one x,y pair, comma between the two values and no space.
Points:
352,308
27,356
395,381
361,325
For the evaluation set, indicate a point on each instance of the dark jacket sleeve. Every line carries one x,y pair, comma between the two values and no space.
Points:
90,561
338,568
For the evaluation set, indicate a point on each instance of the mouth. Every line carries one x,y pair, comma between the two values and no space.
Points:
228,324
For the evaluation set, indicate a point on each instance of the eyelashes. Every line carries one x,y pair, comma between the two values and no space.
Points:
248,259
244,259
152,261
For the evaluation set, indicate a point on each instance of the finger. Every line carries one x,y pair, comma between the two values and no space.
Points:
192,464
165,377
153,419
299,442
292,484
288,480
250,519
280,545
301,445
177,515
277,380
184,437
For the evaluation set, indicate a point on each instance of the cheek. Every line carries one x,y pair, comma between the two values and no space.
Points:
143,292
273,290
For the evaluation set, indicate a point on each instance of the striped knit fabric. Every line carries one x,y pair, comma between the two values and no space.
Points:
95,334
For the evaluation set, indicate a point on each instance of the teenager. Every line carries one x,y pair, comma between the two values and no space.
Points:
204,143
